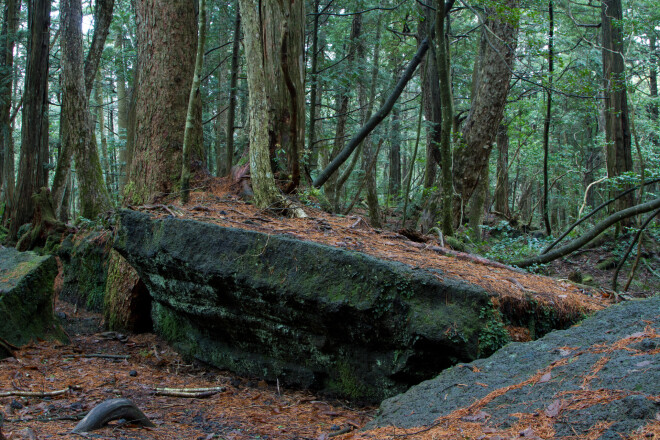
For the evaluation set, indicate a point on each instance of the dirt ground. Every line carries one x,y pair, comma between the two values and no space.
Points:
100,365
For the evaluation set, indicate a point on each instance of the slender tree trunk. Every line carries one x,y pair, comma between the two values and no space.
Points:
332,188
107,164
497,49
7,43
35,108
617,125
370,155
122,107
476,206
653,87
548,115
194,93
233,83
102,20
313,80
394,183
431,98
502,186
221,134
447,112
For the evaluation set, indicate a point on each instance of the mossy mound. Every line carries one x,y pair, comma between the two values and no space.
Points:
84,259
26,297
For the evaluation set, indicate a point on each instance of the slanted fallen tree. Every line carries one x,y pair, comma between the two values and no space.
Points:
600,227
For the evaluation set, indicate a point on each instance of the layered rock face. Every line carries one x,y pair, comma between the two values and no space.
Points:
306,314
26,298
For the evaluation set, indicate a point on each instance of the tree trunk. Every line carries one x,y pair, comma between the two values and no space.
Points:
431,98
370,154
31,174
477,206
76,127
332,189
166,32
617,124
546,123
194,94
122,107
233,83
262,140
7,43
653,86
312,150
107,164
394,183
102,20
497,49
447,112
502,186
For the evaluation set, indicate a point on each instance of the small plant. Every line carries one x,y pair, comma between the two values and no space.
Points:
494,335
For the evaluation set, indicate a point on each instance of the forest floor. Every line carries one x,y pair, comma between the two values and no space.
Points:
247,408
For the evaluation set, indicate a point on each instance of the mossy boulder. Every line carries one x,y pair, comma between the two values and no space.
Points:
85,259
307,314
26,297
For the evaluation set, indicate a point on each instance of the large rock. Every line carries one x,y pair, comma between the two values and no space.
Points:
600,377
26,297
304,313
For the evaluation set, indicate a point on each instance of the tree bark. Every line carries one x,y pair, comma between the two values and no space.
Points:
166,32
194,94
617,124
32,174
497,50
653,85
394,181
233,83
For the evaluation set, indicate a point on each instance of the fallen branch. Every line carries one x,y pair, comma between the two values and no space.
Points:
603,205
109,410
189,392
34,393
591,234
103,355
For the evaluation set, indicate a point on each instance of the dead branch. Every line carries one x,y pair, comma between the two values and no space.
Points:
34,393
602,226
189,392
109,410
102,355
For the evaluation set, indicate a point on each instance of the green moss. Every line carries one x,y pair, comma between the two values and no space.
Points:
347,382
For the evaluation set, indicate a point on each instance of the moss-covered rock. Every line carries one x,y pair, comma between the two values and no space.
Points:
26,297
307,314
84,259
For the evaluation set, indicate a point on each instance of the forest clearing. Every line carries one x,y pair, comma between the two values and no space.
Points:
324,219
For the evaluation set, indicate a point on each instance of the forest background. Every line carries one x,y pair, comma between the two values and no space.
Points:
524,116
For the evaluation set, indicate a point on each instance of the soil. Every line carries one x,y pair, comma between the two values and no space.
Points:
246,409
